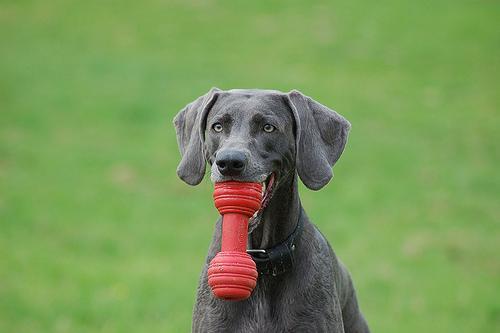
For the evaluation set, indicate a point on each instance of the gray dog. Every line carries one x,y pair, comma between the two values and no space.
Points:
272,137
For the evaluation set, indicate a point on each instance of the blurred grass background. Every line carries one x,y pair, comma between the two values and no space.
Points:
97,234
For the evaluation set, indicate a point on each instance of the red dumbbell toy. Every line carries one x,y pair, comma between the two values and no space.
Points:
232,274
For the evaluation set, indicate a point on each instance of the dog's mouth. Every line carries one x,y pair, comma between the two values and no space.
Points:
267,191
268,187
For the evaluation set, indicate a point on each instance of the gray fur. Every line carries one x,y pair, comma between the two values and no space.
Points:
317,295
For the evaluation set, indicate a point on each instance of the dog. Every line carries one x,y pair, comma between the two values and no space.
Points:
274,138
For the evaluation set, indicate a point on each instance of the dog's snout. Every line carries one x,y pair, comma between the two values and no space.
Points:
231,162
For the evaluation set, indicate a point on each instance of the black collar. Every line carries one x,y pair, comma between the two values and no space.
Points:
279,258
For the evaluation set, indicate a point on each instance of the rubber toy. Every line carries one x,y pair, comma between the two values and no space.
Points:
232,274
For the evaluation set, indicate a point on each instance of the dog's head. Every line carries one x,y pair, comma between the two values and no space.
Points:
259,136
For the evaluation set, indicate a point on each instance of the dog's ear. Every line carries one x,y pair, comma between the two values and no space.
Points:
320,139
190,126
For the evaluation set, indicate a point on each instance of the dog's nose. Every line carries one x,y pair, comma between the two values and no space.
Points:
231,162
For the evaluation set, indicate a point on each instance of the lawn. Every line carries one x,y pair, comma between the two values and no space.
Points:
97,233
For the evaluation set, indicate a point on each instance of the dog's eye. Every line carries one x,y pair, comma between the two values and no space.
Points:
269,128
217,127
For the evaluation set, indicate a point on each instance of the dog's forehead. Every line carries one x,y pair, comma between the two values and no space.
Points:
249,102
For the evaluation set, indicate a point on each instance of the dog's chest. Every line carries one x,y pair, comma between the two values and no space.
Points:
269,311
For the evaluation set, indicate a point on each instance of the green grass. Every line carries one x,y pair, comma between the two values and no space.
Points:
97,234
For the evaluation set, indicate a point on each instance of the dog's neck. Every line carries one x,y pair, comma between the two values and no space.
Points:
280,217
